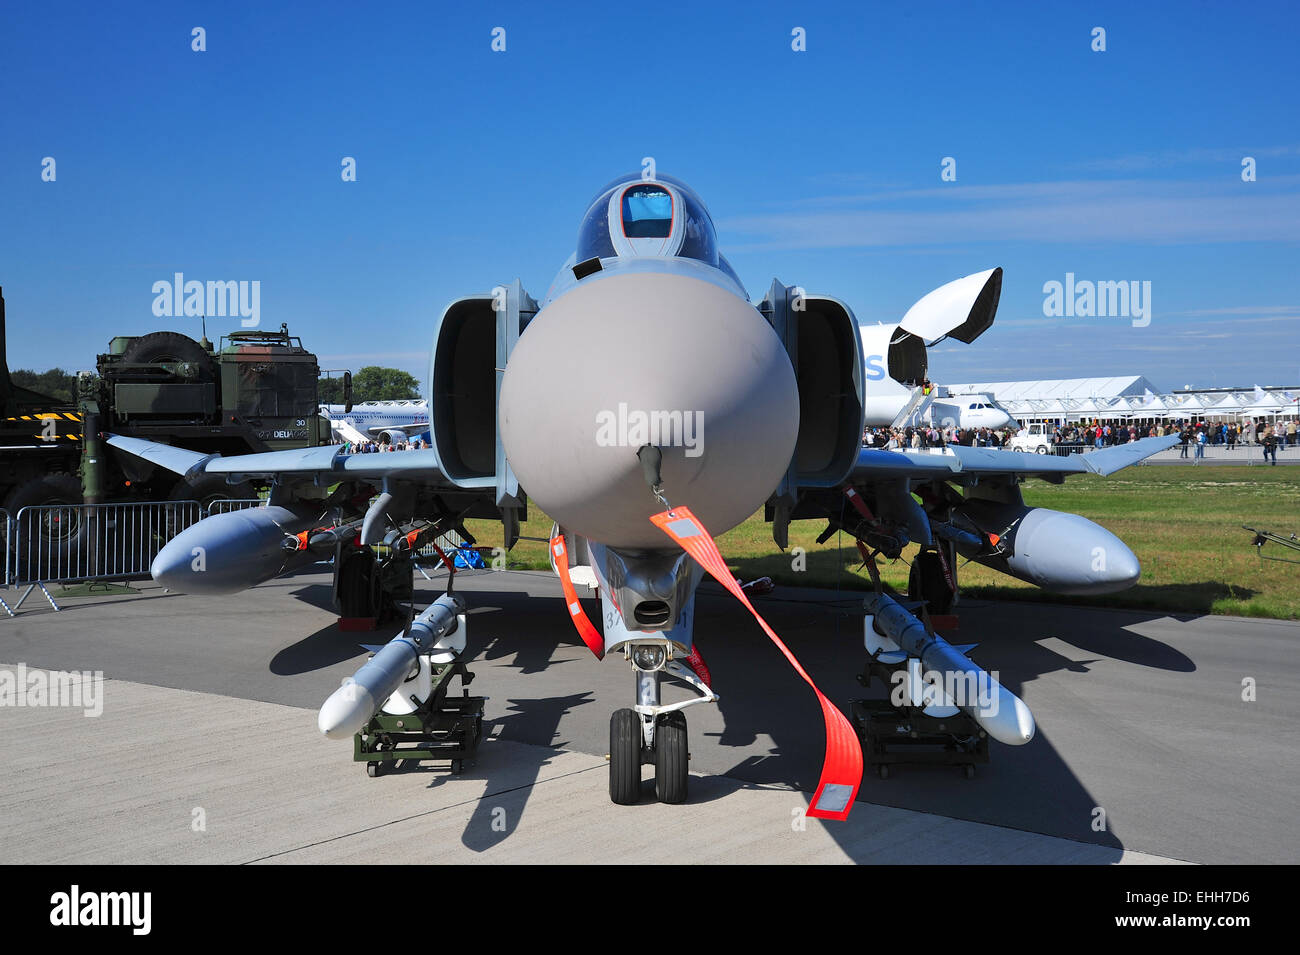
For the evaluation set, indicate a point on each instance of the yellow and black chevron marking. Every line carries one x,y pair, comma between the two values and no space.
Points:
57,416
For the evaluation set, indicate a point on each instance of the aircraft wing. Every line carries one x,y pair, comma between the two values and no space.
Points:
958,460
326,461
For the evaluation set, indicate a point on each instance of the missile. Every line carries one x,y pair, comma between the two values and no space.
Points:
352,705
998,711
964,539
325,539
227,553
1060,552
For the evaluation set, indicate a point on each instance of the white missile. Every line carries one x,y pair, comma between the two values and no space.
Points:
352,705
997,710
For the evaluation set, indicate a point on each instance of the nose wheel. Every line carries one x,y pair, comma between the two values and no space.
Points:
671,757
624,757
628,753
653,734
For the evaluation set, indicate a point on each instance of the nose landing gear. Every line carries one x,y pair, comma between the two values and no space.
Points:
653,734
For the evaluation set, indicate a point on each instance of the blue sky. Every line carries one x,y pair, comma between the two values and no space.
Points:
820,167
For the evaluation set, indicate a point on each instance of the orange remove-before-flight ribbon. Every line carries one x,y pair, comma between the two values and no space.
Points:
594,641
842,765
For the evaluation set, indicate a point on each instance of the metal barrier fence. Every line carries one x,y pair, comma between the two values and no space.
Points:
72,543
77,542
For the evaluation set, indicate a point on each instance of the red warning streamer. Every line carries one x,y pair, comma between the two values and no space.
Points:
446,561
696,663
858,503
947,573
842,766
594,641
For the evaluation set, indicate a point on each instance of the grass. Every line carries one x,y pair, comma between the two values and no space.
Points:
1183,523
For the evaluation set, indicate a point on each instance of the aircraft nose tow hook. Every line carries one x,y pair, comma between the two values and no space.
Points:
651,459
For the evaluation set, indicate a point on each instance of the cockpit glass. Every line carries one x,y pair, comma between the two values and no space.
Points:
699,241
593,236
647,212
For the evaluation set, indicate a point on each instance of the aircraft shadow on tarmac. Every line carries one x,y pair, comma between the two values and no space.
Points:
771,719
1029,787
324,648
508,782
1196,599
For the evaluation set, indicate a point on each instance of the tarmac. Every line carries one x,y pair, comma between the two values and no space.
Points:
207,751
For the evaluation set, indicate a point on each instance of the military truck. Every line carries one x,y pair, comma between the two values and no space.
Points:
257,391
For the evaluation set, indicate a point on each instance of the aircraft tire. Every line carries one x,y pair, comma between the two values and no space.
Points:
624,757
671,757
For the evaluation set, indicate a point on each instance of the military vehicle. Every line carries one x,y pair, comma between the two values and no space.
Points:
257,391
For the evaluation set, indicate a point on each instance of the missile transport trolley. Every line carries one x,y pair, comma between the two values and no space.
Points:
906,734
939,706
439,727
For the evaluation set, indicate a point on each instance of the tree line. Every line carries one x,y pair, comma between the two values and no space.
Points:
372,383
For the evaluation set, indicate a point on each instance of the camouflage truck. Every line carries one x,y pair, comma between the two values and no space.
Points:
256,392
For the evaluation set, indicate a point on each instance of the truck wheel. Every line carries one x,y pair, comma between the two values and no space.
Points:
1041,449
55,538
159,348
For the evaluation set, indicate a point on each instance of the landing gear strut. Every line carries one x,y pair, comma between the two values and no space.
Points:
655,735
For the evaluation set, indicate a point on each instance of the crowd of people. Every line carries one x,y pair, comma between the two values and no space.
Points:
928,436
1194,436
374,447
1103,434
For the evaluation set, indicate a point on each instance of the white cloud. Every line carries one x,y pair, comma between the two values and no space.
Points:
1131,211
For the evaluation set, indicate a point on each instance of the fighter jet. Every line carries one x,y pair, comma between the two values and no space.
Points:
646,405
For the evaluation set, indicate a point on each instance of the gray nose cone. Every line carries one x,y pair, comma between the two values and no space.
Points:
1069,554
648,358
